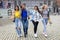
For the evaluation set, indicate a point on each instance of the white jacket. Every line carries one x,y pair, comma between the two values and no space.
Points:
35,16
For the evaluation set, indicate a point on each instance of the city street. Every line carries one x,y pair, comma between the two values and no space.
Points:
24,7
8,32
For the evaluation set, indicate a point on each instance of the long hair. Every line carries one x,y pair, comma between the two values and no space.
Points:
43,7
38,9
17,7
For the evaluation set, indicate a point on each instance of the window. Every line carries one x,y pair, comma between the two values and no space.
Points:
49,3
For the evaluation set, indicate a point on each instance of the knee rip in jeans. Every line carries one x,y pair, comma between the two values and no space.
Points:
18,28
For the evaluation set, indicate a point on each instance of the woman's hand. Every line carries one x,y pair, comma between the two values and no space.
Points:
12,17
28,17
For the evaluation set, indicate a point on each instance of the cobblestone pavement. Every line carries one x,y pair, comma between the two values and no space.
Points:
8,32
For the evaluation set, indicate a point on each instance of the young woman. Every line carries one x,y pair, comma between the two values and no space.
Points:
17,16
36,16
45,16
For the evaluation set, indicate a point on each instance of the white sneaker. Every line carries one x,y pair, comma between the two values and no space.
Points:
18,36
35,35
43,33
46,35
21,35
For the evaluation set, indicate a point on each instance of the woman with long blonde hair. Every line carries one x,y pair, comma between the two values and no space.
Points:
45,16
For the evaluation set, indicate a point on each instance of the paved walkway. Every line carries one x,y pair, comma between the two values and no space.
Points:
7,30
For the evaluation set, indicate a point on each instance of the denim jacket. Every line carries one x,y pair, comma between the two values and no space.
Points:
35,15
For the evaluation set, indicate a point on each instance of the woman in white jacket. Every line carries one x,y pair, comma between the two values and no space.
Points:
35,18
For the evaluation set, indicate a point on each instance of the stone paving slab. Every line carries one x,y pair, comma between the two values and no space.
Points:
8,32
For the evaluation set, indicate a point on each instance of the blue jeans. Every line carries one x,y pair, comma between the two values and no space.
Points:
25,26
45,21
18,25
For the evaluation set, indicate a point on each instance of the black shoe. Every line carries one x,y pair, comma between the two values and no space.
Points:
25,35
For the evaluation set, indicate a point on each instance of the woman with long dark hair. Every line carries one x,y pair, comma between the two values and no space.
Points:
17,16
36,16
